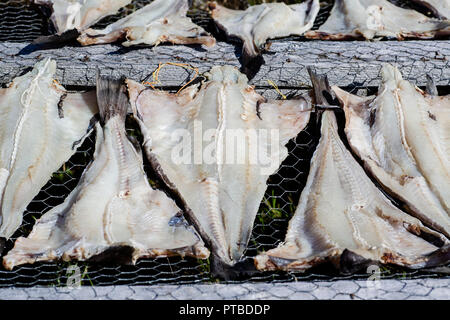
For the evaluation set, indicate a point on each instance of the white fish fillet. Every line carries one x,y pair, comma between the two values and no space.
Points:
223,192
80,14
113,205
440,8
341,209
375,19
158,22
40,126
403,137
259,23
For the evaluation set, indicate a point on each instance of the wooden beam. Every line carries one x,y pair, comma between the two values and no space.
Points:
346,63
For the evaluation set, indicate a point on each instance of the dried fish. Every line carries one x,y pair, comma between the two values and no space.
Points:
40,126
371,19
342,214
158,22
403,137
259,23
216,146
80,14
113,204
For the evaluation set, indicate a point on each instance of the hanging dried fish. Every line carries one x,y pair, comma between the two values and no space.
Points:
344,218
80,14
372,19
259,23
216,146
158,22
41,125
403,137
113,204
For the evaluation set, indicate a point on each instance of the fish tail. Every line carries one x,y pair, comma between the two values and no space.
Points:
112,98
321,87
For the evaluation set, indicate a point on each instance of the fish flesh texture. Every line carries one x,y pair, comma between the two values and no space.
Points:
230,139
158,22
440,8
80,14
113,204
222,195
403,137
371,19
40,126
341,211
259,23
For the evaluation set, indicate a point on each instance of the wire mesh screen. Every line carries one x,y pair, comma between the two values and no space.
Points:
277,207
24,21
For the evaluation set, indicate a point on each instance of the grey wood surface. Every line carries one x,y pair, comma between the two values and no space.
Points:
346,63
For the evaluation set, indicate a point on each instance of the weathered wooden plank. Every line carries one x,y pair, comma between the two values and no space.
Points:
346,63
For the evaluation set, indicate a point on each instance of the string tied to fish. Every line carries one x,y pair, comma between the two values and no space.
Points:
155,74
273,84
314,108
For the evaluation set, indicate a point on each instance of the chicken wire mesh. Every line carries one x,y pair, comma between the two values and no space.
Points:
23,21
269,230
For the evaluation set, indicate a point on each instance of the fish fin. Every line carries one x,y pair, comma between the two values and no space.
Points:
63,38
37,245
88,132
134,90
355,104
289,116
348,99
241,269
120,254
439,257
112,99
351,262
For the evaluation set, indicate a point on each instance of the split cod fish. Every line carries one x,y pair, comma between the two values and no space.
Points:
371,19
259,23
344,218
113,204
216,146
440,8
80,14
158,22
41,125
403,137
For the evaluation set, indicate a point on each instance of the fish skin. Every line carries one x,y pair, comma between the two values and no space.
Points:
112,206
251,25
222,199
394,133
440,8
341,210
34,140
80,14
158,22
370,19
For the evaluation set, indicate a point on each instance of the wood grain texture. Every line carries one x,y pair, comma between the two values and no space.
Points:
346,63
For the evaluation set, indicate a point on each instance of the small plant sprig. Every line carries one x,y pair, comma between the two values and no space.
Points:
63,174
